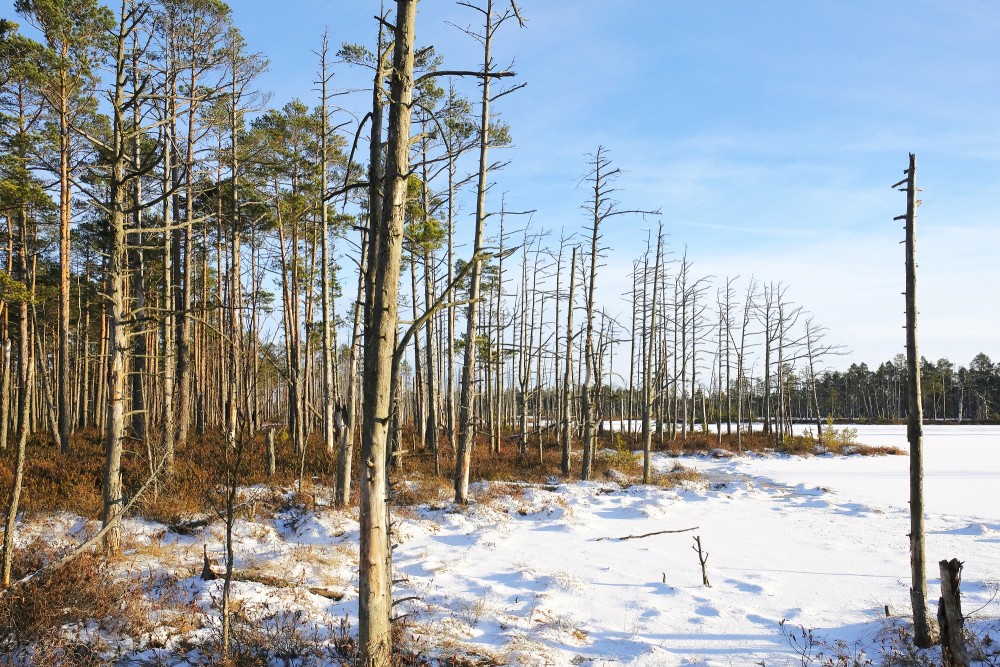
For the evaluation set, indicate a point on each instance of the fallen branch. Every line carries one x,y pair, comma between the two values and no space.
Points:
277,582
406,599
639,537
188,527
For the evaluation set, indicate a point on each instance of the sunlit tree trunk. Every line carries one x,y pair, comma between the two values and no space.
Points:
924,629
382,305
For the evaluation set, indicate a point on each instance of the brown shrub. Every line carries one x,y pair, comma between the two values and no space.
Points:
677,476
489,494
37,617
423,490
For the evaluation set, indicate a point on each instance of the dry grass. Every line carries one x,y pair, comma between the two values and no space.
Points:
191,492
699,443
47,615
422,489
498,492
677,476
871,450
50,484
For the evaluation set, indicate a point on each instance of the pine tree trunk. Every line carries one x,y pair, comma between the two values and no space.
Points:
329,438
64,388
25,382
382,305
117,338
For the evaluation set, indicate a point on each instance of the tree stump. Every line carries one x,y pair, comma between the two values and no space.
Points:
950,619
271,457
207,573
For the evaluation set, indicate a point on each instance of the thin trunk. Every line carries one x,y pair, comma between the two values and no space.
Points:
567,403
64,389
329,437
466,421
25,382
924,632
647,371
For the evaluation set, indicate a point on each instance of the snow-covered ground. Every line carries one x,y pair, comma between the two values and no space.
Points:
534,575
819,541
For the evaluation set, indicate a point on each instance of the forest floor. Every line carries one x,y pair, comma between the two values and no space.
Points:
807,560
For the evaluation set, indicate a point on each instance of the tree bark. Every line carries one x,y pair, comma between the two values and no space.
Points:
466,418
950,618
567,402
923,628
374,597
647,370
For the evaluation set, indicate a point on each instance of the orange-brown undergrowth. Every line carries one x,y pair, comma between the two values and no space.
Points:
73,483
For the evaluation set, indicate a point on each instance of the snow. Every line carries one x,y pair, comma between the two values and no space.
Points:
534,575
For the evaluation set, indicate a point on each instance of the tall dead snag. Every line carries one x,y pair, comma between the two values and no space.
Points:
328,390
381,311
647,367
466,426
923,627
567,403
600,208
349,411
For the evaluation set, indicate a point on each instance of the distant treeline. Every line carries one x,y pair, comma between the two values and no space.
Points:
950,392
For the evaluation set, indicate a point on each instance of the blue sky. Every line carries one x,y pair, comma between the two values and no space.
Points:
768,134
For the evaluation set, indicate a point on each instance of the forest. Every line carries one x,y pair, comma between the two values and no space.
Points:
181,263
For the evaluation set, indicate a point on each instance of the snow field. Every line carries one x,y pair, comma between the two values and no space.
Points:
534,575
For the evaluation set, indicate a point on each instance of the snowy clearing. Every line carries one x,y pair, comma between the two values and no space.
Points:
532,575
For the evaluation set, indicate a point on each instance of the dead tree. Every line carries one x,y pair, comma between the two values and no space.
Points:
463,450
950,618
741,370
923,628
600,208
647,367
567,403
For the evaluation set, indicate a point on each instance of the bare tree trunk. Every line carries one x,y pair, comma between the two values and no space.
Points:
25,382
647,371
382,305
924,632
5,386
567,403
466,418
138,277
167,324
327,316
538,381
64,389
430,436
600,174
114,501
419,394
345,452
